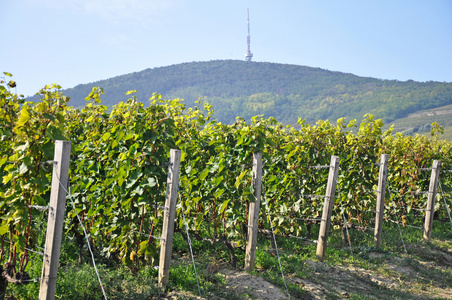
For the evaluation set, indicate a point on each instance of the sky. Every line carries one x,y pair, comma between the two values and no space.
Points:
70,42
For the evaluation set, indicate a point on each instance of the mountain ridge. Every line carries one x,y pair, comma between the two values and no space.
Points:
285,91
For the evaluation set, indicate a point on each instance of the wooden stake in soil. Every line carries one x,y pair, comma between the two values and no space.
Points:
327,207
55,221
381,194
172,186
253,218
431,200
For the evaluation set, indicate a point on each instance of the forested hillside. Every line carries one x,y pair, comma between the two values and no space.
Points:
286,92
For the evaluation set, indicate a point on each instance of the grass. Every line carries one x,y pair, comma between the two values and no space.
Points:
356,275
419,122
80,282
366,273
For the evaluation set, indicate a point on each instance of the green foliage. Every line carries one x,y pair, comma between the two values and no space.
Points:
286,92
80,282
119,174
119,167
28,132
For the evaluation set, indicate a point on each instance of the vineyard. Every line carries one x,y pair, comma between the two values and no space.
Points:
119,168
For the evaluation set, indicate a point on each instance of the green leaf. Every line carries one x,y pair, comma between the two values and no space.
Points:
60,118
21,147
49,116
55,133
28,161
224,205
7,178
128,137
4,229
204,174
106,136
49,149
218,193
23,117
133,178
23,168
138,190
143,247
8,74
151,182
218,180
3,160
114,144
199,220
239,179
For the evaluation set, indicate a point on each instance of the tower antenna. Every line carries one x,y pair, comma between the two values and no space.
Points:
248,55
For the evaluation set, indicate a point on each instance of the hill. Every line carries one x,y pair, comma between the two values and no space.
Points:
287,92
420,121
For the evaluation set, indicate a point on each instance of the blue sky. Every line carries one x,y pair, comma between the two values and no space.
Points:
81,41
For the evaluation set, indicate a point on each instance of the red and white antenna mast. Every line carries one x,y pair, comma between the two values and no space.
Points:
248,55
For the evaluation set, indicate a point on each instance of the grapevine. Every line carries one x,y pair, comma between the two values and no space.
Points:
118,172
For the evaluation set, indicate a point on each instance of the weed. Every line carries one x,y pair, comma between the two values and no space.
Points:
370,273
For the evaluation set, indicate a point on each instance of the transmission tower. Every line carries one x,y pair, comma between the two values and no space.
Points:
248,55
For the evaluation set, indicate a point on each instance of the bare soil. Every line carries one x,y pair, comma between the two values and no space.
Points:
424,274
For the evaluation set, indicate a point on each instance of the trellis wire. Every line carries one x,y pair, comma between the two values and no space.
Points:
20,281
189,242
32,280
312,196
425,169
86,235
445,203
274,240
348,235
303,238
28,249
319,167
308,219
409,170
38,207
419,209
160,207
343,216
47,162
150,235
398,224
417,227
406,225
417,193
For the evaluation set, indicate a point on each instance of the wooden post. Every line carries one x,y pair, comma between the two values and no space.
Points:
55,221
172,187
381,193
431,200
253,217
327,207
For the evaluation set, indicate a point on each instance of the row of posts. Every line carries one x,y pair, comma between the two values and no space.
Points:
58,203
253,217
